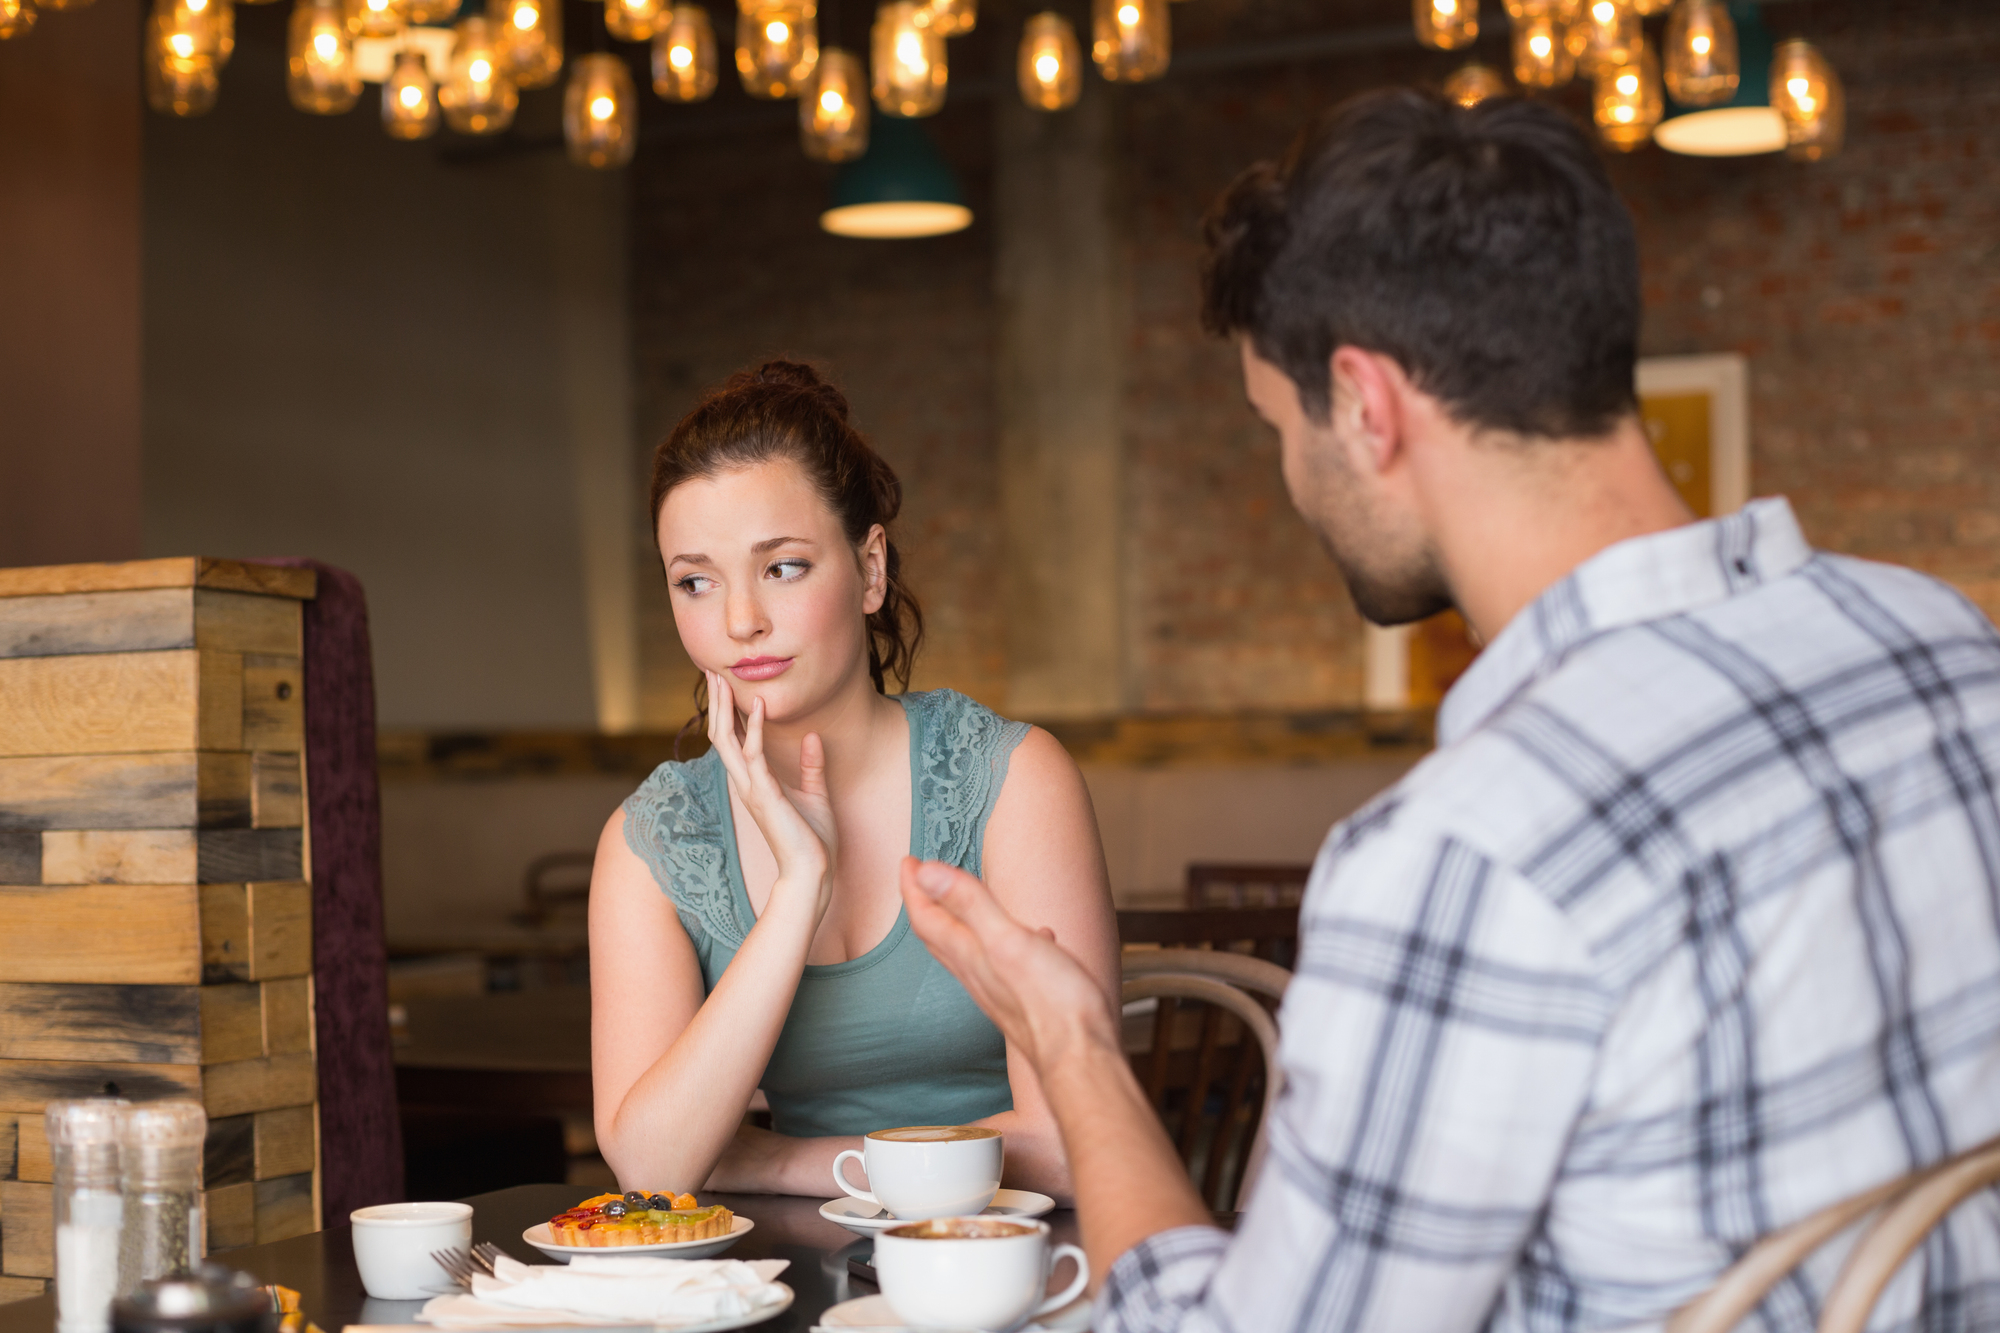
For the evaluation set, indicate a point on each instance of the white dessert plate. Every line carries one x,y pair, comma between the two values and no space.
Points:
876,1312
852,1213
539,1237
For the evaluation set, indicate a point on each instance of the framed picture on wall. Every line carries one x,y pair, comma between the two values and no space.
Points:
1696,410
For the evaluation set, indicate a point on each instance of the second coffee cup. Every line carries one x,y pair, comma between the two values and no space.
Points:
924,1171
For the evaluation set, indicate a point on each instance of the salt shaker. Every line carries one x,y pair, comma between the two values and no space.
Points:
83,1148
159,1169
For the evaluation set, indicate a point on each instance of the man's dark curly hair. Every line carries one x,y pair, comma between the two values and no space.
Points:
1482,248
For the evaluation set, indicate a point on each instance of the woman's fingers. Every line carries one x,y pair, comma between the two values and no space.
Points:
812,766
722,729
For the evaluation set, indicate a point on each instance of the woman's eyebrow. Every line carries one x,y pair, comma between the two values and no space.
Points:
773,543
692,558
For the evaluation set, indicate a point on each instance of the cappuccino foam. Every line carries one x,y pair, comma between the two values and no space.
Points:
963,1228
934,1134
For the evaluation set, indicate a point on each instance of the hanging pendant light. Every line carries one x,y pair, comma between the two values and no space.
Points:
477,97
177,85
1747,122
635,20
1542,58
600,112
529,35
17,18
1701,53
1050,65
1472,84
1807,94
833,108
1626,101
1130,39
684,64
909,60
899,188
777,45
197,29
375,18
409,99
1604,34
952,18
1446,24
321,76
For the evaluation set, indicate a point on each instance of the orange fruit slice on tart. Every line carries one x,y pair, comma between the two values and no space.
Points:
639,1218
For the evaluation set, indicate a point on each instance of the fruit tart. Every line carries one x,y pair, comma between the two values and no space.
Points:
639,1218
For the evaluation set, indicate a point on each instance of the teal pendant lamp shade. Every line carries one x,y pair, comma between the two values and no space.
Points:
1747,123
900,187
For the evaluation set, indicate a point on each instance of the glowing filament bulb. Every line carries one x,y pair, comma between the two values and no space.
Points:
182,44
1798,87
1627,102
1446,24
1131,40
910,52
777,45
327,47
411,97
527,40
1128,16
1628,83
831,102
776,32
1445,7
684,55
1049,68
1701,44
1701,54
1540,44
1603,11
909,60
321,76
600,112
680,57
480,71
524,18
833,112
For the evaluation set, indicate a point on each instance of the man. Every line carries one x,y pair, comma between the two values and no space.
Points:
1688,928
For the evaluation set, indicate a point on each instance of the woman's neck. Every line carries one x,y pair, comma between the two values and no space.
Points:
857,726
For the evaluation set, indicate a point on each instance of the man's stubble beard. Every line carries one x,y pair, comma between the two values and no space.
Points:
1392,570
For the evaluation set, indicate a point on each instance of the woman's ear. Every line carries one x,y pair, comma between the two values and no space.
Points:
874,557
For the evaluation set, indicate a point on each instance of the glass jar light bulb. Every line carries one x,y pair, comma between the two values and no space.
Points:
833,108
375,18
777,45
529,35
321,76
17,18
909,59
1542,58
409,99
1130,39
635,20
1472,84
1050,65
1446,24
952,18
1701,53
197,29
1605,34
1626,101
477,96
1807,93
600,112
684,64
176,85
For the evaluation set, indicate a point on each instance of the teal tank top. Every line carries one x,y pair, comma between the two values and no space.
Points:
889,1038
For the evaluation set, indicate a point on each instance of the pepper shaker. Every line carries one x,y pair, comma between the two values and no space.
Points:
159,1168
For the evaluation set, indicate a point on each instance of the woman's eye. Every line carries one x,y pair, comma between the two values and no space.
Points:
790,570
694,584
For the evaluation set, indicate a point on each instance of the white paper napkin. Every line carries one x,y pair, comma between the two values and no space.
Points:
601,1289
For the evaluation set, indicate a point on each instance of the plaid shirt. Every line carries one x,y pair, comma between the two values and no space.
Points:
1689,927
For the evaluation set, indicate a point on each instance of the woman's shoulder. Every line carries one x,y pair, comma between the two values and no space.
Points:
953,722
674,810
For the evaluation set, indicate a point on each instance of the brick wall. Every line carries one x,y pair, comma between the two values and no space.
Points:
1865,292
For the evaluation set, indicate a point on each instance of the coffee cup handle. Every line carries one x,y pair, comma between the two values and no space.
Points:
840,1177
1077,1284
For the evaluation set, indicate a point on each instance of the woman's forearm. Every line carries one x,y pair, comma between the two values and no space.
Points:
757,1161
1035,1157
678,1119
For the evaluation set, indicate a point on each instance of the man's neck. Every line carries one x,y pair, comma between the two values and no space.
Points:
1513,518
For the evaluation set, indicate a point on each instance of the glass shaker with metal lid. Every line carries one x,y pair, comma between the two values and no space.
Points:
83,1153
159,1168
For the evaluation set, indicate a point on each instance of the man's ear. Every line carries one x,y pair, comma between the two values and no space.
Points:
1367,407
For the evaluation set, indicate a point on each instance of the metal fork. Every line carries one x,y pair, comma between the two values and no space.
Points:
458,1266
484,1254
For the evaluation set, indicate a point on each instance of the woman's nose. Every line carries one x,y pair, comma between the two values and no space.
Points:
746,617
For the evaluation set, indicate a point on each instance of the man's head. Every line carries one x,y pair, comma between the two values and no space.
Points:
1414,265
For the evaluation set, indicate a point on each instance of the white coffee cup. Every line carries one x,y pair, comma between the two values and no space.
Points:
393,1244
972,1272
924,1171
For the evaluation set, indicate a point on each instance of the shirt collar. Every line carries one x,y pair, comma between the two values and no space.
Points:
1643,578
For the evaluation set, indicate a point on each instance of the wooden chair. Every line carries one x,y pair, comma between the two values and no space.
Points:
1213,1075
1270,933
1910,1207
1216,884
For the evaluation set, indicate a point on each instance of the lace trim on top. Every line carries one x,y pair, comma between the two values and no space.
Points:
672,823
676,822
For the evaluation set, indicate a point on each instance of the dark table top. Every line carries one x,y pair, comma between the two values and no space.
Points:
320,1267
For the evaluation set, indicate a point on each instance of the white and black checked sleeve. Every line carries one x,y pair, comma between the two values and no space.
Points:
1438,1043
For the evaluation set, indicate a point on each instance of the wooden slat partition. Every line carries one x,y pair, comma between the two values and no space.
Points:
155,914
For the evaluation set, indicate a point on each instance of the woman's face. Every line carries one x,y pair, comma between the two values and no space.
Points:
766,588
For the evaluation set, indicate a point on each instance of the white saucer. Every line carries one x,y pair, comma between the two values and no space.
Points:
876,1312
539,1237
851,1212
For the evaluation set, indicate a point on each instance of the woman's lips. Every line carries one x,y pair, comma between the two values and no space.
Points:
760,668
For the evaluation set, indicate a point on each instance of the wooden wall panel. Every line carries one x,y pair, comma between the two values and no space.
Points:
168,572
267,1083
25,1227
255,932
102,1023
277,790
274,714
125,791
287,1142
232,1023
118,856
241,623
97,622
112,933
28,1086
285,1208
229,1155
288,1016
20,856
227,855
105,704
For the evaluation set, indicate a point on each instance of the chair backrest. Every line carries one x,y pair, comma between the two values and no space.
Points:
1271,933
1244,884
1213,1075
1910,1207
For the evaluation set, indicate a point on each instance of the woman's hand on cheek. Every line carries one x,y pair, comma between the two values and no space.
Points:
798,822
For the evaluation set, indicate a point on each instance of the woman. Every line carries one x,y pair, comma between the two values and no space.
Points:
745,925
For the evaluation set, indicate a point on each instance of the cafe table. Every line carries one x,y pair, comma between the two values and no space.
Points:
320,1266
